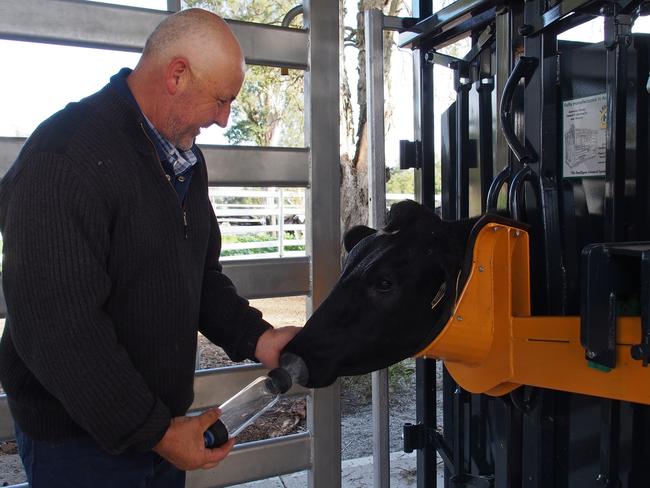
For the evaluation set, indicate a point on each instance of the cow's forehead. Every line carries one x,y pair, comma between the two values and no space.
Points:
382,247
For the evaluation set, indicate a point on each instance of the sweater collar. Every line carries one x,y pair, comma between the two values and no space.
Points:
119,84
119,111
179,160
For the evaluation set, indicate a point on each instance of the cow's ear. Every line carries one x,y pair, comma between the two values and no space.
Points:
354,234
406,213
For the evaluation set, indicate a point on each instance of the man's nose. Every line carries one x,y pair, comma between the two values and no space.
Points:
222,115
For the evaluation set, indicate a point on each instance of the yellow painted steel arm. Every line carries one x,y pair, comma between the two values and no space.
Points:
492,345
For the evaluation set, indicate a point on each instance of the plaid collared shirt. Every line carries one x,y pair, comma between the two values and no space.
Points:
179,160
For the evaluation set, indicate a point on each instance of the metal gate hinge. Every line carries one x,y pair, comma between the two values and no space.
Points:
410,154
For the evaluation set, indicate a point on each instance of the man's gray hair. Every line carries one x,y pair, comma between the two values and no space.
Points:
178,27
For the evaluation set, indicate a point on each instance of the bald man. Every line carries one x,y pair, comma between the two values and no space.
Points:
111,266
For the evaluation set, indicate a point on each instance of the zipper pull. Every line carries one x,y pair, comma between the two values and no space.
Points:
185,223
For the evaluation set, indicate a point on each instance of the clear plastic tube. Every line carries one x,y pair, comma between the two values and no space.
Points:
242,409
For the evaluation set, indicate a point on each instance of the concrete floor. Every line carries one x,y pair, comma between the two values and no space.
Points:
357,473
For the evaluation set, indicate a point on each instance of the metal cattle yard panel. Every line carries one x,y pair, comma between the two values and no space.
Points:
518,69
315,167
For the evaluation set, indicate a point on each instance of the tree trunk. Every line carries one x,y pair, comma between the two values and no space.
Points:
354,146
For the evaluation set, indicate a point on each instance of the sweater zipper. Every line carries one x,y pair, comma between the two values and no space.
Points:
164,175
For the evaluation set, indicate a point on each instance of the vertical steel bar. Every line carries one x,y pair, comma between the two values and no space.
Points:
608,476
448,417
323,217
485,86
504,66
425,189
374,42
460,462
375,119
425,397
502,416
617,38
173,5
541,133
281,223
448,157
425,369
462,144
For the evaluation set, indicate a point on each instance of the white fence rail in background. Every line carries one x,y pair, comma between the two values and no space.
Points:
258,222
265,223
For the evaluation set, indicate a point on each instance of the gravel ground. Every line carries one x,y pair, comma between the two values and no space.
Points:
356,408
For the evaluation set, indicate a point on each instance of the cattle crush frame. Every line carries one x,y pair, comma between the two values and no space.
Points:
563,126
313,50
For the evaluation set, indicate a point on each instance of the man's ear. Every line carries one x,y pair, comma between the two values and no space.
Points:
354,234
177,75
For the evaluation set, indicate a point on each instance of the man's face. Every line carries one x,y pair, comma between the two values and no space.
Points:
204,101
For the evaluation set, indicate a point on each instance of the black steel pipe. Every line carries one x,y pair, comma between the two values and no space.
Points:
523,69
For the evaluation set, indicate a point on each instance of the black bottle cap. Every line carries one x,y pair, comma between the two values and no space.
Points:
281,379
296,367
216,435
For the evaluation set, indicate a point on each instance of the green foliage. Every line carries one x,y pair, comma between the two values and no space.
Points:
401,181
269,109
257,237
263,11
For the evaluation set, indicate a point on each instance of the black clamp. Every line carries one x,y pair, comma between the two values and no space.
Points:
615,281
419,436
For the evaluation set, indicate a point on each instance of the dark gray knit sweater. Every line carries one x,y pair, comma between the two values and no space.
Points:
106,286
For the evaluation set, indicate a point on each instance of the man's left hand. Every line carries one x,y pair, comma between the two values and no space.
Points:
270,345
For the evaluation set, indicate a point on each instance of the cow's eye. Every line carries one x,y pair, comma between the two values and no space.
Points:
384,284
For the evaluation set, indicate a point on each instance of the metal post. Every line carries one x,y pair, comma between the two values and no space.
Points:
618,29
503,68
425,177
425,397
323,220
173,5
281,224
375,117
374,41
425,369
541,105
462,87
485,86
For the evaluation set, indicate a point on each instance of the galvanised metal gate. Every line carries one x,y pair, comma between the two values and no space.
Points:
315,167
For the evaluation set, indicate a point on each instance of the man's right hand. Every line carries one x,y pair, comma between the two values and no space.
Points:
183,444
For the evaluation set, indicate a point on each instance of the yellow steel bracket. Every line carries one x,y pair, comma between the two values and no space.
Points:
492,345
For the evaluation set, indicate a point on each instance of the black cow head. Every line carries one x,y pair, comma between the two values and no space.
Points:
396,292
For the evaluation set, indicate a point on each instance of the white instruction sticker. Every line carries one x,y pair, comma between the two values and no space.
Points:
585,136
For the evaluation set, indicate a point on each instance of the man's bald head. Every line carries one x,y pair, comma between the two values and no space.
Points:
191,70
201,36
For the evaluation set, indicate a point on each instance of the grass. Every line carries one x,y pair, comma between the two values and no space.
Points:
258,237
399,378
